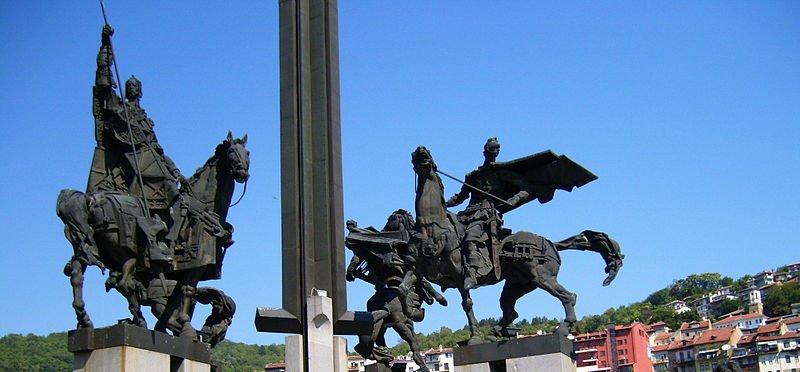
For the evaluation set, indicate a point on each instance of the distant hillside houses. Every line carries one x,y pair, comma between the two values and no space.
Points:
710,304
695,347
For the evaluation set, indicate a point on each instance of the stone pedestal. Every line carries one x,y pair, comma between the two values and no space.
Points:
124,347
326,352
547,353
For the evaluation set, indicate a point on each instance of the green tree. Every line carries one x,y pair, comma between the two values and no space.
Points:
742,283
35,353
728,306
780,298
696,285
660,297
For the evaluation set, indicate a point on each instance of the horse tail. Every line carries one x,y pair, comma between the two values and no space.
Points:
72,209
599,242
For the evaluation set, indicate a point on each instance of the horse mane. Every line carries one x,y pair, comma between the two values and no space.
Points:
210,160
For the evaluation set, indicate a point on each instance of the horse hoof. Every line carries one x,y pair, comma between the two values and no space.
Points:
188,333
475,341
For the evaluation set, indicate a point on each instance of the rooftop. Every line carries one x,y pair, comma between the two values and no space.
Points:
779,337
680,344
697,324
738,318
715,335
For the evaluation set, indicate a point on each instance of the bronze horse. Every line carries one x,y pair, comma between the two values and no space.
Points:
107,229
527,261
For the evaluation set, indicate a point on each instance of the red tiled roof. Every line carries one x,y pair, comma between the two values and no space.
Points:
680,344
702,324
737,318
773,327
275,365
437,351
660,348
355,357
590,336
714,335
662,337
794,320
746,339
779,337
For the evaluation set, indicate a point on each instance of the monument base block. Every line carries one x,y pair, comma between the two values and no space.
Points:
551,353
125,347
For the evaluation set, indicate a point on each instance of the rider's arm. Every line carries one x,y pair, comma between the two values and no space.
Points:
523,186
459,197
103,96
104,82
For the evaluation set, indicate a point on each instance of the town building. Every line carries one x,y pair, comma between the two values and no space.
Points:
793,323
438,359
748,323
763,278
622,348
660,357
678,306
746,353
681,355
751,299
692,329
709,304
714,346
779,352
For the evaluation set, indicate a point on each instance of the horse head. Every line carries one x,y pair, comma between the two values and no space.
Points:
422,160
235,158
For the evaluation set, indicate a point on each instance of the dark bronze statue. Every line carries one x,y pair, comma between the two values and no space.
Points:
397,303
437,240
157,239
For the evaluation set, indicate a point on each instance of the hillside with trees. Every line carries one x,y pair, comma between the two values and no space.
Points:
49,353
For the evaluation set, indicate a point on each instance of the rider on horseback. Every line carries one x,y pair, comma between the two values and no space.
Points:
128,157
484,222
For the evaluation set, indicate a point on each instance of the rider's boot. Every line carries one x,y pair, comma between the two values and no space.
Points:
471,264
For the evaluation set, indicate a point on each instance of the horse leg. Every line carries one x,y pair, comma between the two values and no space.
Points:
466,304
75,270
405,329
512,292
183,314
127,287
567,298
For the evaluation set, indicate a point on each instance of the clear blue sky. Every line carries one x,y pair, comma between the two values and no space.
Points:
687,111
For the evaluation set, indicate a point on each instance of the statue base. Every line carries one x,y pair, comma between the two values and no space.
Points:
125,347
550,353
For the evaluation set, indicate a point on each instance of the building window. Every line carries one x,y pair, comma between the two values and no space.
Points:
788,359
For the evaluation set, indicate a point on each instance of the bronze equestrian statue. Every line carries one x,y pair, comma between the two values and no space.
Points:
525,261
158,239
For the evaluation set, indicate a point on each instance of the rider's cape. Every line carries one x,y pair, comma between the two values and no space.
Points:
540,175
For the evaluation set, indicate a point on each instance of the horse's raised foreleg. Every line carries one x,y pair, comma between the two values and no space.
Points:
466,304
75,270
